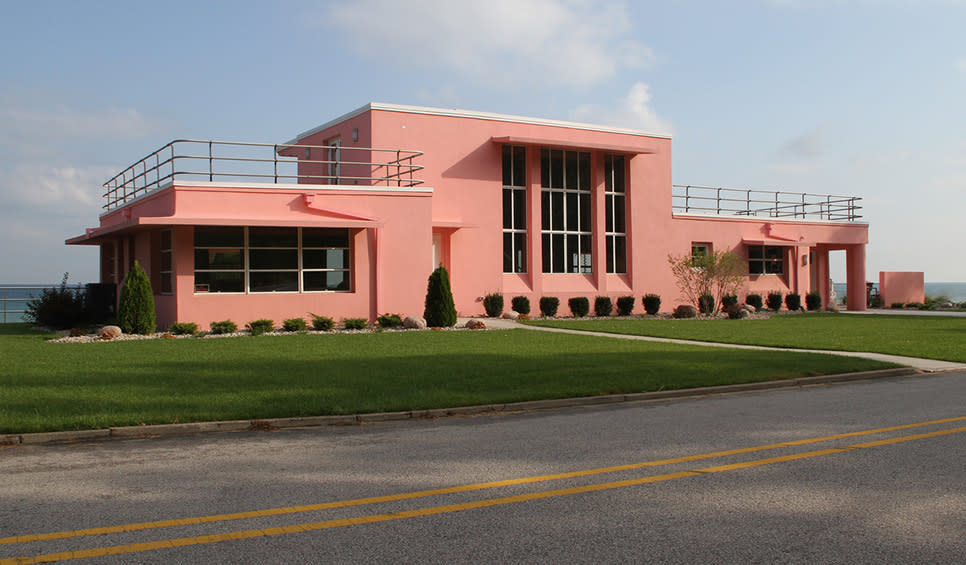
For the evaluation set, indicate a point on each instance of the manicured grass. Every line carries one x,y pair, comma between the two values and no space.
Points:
46,386
931,337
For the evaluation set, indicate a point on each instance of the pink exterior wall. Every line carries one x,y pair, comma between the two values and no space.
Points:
899,286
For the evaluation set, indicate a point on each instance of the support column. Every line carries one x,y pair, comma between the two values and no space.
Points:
822,275
375,281
534,223
855,277
599,227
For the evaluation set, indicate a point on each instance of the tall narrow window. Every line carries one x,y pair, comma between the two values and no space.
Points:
167,263
615,195
514,209
335,160
565,211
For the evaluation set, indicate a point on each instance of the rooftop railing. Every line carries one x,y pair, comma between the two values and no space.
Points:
687,199
234,161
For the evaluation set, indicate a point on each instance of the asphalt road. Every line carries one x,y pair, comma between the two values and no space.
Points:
816,474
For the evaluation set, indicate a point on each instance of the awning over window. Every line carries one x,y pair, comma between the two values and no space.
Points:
569,144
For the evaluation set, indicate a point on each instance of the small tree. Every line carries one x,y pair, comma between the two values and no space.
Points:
717,273
440,309
135,312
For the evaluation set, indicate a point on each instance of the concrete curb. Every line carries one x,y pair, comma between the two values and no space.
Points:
169,430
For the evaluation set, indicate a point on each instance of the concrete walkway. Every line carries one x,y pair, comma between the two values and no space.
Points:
897,312
927,365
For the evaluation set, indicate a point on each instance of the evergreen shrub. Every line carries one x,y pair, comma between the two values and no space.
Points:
548,306
224,327
59,308
793,301
685,311
493,304
813,301
260,326
774,301
579,306
754,300
520,304
729,300
898,305
603,306
706,303
440,311
625,305
183,328
354,323
135,312
294,325
652,304
322,323
389,321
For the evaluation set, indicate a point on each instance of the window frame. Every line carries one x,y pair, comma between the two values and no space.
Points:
615,199
765,260
564,183
515,193
166,250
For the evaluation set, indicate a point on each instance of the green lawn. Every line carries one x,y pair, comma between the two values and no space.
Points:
931,337
46,386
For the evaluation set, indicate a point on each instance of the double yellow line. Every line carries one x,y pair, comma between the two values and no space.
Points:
443,509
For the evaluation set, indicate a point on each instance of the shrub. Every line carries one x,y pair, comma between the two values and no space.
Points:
793,301
183,328
440,310
652,303
706,303
603,306
294,325
521,304
322,323
579,306
625,305
775,301
223,327
729,300
813,301
389,321
898,305
135,311
916,306
354,323
548,306
493,304
685,311
260,326
58,308
754,300
875,302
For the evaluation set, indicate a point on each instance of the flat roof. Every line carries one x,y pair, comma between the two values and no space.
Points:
457,113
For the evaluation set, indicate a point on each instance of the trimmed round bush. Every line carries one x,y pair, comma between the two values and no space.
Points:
548,306
579,306
260,326
520,304
183,328
603,306
685,311
354,323
728,300
706,303
652,304
224,327
793,301
625,305
754,300
813,301
294,325
493,304
775,301
389,321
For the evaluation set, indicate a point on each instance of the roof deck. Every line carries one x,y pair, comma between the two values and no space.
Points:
279,163
688,199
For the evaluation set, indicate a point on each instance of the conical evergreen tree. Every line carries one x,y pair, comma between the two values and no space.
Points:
135,313
440,310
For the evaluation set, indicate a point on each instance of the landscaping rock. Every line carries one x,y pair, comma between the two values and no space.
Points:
109,332
511,315
475,325
414,323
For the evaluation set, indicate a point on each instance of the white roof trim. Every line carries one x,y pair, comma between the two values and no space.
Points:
456,113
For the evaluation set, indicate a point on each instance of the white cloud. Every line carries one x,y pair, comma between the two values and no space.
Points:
500,43
63,123
634,111
64,187
803,153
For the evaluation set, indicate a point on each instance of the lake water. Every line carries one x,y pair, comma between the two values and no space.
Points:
955,291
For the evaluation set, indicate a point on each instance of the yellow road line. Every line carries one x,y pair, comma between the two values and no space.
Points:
444,509
447,490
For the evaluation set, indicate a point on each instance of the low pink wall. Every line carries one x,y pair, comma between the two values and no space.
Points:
901,286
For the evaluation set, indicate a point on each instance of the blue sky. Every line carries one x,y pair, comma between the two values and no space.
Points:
859,98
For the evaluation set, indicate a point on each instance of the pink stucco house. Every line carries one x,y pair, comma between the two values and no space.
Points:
348,219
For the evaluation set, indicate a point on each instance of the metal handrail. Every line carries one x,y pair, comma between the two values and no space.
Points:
397,168
17,293
691,199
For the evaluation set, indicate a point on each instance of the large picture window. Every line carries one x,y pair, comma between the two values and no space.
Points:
766,260
514,209
565,211
271,259
615,196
